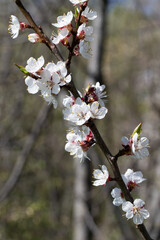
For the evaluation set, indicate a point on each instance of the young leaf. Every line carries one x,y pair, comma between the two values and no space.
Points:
138,129
22,69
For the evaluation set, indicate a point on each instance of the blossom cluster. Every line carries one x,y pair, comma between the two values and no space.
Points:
136,147
131,179
48,80
79,111
79,141
67,27
76,35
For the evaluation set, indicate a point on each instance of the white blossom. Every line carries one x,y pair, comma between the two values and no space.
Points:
33,37
14,26
33,65
50,99
32,85
62,71
49,82
101,176
68,101
79,113
135,211
78,1
78,142
96,112
62,36
64,21
132,178
138,146
85,49
89,14
85,33
96,93
118,196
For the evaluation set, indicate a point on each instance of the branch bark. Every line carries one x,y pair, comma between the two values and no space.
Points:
52,47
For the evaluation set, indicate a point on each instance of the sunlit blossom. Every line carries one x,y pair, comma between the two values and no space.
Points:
14,26
64,21
135,211
118,196
101,176
79,141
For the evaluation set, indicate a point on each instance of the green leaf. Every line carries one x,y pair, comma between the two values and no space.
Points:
137,130
76,12
22,69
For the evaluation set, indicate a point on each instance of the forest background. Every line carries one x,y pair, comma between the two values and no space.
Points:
48,184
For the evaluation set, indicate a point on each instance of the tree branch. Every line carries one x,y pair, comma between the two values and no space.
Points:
52,47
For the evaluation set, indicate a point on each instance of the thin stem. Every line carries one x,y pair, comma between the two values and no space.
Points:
52,47
74,40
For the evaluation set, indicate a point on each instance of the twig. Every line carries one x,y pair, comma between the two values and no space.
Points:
52,47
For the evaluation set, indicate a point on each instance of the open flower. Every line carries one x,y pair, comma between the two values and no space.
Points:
96,112
62,36
88,14
85,49
64,21
132,179
85,33
101,176
14,26
62,72
79,113
35,66
32,85
49,82
118,196
136,146
135,211
78,142
95,93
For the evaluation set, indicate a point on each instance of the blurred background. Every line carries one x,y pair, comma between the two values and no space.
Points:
44,192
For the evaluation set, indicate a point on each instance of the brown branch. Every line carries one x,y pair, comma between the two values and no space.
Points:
74,40
52,47
21,161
